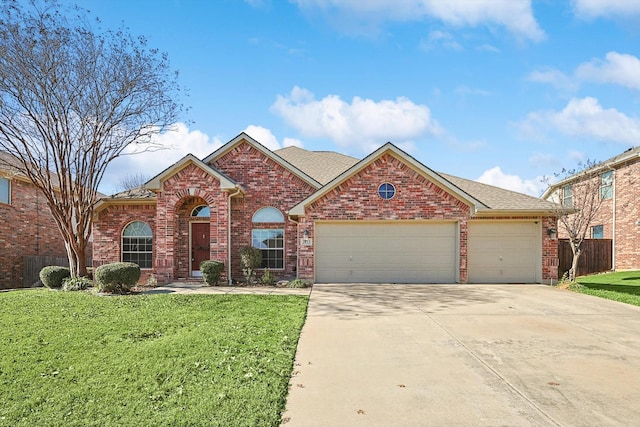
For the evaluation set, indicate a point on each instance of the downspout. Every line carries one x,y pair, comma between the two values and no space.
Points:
613,236
238,191
297,244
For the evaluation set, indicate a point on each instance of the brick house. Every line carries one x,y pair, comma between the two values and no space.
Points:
26,224
327,217
618,218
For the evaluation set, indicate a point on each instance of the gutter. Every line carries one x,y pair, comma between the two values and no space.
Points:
238,191
297,223
613,231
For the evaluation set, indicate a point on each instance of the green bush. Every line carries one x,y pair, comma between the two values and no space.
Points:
267,277
118,277
76,283
52,276
211,271
297,283
250,258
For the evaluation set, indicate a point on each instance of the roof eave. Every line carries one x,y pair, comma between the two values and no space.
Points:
155,183
102,204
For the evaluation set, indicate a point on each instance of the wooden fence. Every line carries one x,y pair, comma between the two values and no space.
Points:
596,256
32,264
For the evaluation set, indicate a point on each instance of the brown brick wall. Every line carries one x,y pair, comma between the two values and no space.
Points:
357,199
627,213
26,228
416,198
266,184
108,226
180,193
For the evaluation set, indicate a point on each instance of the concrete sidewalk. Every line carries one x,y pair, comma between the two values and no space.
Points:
451,355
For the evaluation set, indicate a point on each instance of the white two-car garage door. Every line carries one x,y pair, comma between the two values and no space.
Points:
386,252
504,252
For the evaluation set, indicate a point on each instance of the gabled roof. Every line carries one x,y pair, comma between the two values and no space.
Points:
155,183
323,166
243,137
611,163
498,199
434,177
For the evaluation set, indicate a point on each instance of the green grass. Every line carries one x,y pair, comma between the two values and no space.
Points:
621,286
76,359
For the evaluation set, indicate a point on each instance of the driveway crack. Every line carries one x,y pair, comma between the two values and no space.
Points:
494,371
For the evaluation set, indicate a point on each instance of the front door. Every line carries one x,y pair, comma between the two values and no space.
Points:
200,248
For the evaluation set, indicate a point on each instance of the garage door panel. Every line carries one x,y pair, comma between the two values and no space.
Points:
386,252
504,252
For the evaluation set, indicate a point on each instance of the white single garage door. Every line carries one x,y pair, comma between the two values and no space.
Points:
386,252
504,252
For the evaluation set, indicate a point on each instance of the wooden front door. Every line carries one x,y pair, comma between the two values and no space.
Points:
200,248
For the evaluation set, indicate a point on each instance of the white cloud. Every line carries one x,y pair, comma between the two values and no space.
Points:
169,147
265,137
495,176
440,39
616,68
585,117
363,123
514,15
554,77
589,9
488,48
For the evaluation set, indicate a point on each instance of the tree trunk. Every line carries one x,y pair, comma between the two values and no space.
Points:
574,265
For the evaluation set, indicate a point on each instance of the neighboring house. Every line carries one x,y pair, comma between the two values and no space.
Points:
618,218
26,224
326,217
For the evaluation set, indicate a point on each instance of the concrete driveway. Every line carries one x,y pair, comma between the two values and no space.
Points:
465,355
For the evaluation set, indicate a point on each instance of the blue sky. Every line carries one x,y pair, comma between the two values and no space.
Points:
501,91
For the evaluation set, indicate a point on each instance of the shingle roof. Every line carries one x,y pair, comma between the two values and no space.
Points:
135,193
322,166
497,198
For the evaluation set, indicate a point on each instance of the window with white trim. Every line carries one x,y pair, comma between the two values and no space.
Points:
5,191
606,185
201,211
268,236
567,196
137,244
597,232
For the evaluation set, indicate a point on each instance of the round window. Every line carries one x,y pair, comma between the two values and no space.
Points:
386,191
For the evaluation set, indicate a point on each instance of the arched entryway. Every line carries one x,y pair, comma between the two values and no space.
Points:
200,238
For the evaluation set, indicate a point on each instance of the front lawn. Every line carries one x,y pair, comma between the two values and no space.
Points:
621,286
75,359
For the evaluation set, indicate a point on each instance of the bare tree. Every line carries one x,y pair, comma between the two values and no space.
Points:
579,198
129,182
71,99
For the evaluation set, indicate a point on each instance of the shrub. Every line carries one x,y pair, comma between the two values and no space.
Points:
297,283
118,277
76,283
267,277
250,258
52,276
211,271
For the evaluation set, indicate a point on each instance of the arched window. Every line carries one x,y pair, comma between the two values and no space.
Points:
269,240
268,214
201,211
137,239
